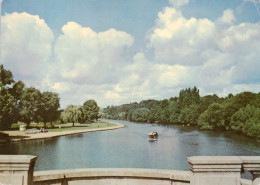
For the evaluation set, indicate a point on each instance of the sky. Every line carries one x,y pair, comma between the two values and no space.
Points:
123,51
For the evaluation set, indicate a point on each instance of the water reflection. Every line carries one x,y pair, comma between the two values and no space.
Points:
129,148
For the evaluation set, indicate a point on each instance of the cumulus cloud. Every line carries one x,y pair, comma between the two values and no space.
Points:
218,56
177,40
88,64
213,55
90,57
227,17
26,46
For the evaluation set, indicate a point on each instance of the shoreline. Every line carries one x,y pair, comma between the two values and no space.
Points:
63,133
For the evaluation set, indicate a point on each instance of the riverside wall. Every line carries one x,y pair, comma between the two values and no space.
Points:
204,170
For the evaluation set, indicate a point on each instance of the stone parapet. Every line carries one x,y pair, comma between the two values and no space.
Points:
215,170
204,170
17,169
113,176
252,164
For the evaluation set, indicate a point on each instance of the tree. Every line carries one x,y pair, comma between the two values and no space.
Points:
252,125
141,115
206,101
90,111
212,117
7,101
6,76
6,108
190,115
30,105
174,109
16,91
188,97
49,107
72,114
232,105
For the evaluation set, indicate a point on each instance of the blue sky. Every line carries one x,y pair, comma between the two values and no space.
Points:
123,51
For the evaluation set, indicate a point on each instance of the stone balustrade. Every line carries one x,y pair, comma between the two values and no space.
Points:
204,170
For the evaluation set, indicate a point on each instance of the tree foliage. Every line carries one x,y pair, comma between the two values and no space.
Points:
49,107
30,105
81,114
18,103
90,110
239,112
72,114
7,101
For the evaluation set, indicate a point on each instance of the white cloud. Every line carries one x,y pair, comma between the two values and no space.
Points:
172,76
87,57
227,17
187,52
178,3
211,55
26,46
111,95
216,56
177,40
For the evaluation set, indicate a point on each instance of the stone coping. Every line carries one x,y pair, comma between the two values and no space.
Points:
15,159
112,172
250,159
215,160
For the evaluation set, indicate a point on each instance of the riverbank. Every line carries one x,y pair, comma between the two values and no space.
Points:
15,136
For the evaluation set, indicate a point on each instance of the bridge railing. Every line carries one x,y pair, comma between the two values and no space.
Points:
204,170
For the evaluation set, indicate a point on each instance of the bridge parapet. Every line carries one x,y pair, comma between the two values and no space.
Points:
252,164
16,169
204,170
112,176
215,170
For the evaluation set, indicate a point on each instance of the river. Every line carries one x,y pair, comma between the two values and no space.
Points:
129,148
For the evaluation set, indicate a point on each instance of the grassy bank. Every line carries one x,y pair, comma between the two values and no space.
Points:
59,130
77,126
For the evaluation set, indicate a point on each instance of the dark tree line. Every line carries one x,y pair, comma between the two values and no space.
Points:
240,113
21,104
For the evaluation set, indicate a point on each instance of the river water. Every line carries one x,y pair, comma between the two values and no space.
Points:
129,148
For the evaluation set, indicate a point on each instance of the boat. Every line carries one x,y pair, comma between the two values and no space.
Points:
153,136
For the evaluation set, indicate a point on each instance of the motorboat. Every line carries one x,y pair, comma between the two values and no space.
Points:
153,136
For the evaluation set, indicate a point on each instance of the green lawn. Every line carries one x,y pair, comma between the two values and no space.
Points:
77,126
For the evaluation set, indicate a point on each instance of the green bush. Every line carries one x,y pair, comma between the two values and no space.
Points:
17,125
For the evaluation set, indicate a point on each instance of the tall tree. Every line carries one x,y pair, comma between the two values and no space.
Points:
7,101
188,97
90,110
49,107
72,114
30,105
7,104
6,76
